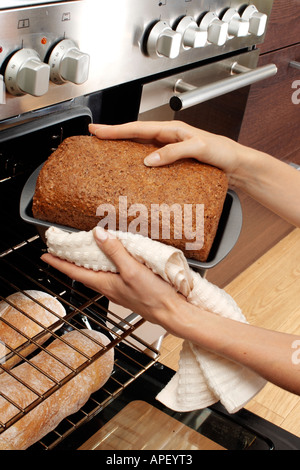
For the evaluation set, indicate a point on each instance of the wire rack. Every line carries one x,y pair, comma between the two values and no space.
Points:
21,270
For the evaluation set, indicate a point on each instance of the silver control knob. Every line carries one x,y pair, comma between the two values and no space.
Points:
163,41
237,26
257,20
192,36
27,74
68,63
216,29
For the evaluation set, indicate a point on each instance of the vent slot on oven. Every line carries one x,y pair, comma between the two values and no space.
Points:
21,269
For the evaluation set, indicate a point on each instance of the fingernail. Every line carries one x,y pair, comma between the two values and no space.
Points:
152,159
92,127
101,234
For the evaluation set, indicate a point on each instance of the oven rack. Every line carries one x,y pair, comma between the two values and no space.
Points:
22,270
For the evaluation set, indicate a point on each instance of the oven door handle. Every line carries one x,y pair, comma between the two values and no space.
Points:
295,64
240,77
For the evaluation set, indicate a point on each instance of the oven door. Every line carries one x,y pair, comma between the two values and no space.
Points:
211,96
136,420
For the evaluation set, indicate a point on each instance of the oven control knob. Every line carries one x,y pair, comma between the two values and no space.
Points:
216,29
68,63
27,74
163,41
237,26
192,36
257,20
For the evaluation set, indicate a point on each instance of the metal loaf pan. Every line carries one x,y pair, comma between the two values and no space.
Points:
227,235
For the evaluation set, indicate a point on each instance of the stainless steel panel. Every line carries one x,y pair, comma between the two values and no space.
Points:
112,33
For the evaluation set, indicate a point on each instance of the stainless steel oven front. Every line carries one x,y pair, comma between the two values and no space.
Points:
64,64
55,51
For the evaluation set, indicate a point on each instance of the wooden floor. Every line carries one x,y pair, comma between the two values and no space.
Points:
269,294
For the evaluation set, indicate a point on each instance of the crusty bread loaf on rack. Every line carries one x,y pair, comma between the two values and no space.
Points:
60,360
85,173
23,315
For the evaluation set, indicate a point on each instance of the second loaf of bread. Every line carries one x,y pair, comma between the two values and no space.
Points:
24,315
38,376
86,173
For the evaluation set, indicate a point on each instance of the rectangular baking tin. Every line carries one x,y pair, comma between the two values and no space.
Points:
227,234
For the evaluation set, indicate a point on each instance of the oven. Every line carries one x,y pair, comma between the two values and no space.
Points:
63,65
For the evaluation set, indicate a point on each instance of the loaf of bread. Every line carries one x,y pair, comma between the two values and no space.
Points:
87,179
66,355
23,315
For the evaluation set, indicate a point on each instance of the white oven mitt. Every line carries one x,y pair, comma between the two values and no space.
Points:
203,378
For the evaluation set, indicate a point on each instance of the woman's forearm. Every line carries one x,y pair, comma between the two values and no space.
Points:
273,355
269,181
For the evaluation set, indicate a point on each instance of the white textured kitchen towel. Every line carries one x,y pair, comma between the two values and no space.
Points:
203,378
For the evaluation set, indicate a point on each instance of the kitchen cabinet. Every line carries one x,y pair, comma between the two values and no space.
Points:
272,118
283,27
271,123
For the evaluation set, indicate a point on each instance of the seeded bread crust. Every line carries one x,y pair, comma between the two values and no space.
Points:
85,172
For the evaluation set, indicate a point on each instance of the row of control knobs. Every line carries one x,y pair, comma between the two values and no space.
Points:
163,41
25,72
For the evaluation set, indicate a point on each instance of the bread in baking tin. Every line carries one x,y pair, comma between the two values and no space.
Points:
86,173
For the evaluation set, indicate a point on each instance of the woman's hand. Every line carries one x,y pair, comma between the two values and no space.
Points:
135,287
176,140
271,182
